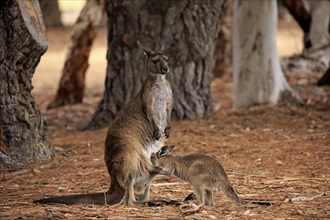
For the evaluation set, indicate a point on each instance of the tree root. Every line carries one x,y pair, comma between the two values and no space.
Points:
290,97
100,119
325,79
7,163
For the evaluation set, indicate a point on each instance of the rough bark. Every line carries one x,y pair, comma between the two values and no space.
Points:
22,42
224,46
72,83
51,13
189,28
258,78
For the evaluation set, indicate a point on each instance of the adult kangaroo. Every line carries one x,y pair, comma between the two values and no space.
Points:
138,130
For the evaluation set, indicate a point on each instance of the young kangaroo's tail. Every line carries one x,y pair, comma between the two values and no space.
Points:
93,198
231,194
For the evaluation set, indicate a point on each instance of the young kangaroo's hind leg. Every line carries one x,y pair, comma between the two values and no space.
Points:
209,197
200,195
144,196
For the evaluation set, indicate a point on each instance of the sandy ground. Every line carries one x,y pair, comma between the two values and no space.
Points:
279,154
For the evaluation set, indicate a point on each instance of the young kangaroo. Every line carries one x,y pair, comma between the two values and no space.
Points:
204,173
139,129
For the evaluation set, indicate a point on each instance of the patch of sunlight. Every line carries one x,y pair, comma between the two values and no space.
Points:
70,10
71,5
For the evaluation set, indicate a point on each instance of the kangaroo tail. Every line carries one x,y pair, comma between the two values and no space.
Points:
231,194
111,197
93,198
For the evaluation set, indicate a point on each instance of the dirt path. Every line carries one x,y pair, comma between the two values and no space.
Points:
279,154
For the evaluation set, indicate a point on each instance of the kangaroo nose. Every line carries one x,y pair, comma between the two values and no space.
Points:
165,69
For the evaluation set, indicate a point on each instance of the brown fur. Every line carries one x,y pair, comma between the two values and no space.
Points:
203,172
139,129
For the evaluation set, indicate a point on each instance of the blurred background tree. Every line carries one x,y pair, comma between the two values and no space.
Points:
72,84
51,13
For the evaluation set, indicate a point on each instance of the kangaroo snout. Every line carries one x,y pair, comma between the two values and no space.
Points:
165,69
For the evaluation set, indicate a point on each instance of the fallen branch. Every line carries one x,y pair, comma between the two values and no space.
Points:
20,172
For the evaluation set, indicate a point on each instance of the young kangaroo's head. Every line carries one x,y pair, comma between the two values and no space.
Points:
156,59
163,161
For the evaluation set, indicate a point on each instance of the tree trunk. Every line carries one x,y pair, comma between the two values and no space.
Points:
319,32
258,78
72,83
190,29
51,13
224,46
303,17
22,42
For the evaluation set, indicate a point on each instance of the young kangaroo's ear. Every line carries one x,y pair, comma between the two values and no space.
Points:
146,50
165,150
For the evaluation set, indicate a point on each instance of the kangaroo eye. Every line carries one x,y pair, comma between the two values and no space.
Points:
154,61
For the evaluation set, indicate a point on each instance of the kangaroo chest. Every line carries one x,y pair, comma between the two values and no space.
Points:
162,95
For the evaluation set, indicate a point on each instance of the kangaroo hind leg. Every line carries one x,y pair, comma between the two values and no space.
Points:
209,197
200,195
129,198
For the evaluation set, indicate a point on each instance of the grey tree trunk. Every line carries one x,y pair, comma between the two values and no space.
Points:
22,42
258,78
190,29
72,84
319,31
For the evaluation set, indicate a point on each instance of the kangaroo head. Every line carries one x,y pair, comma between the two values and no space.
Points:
163,160
156,61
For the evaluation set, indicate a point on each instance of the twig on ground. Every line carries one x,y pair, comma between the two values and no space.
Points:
168,184
303,198
191,208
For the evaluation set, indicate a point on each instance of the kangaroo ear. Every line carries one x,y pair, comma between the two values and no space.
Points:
160,46
165,150
146,50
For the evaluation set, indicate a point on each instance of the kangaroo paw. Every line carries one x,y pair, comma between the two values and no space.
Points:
167,132
156,134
